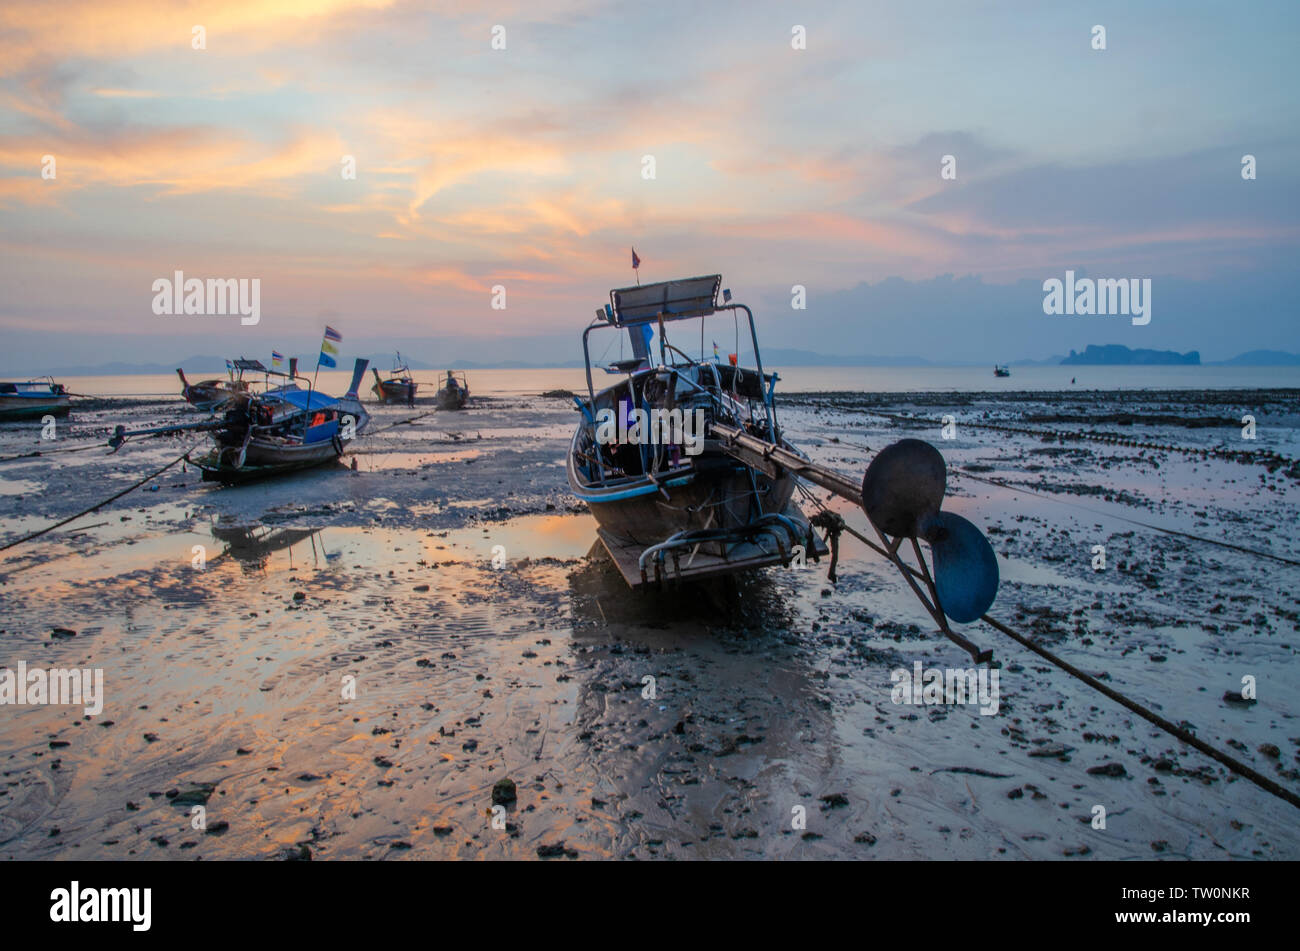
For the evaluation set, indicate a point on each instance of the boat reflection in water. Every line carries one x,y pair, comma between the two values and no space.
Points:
252,545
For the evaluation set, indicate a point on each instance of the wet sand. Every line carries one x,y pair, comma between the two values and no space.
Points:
225,684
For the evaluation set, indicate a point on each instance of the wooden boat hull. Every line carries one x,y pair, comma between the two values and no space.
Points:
717,495
713,493
394,391
262,459
28,407
452,399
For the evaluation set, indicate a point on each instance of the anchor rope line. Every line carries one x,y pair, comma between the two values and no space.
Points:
1133,521
400,422
93,508
1246,456
1099,512
1173,729
46,452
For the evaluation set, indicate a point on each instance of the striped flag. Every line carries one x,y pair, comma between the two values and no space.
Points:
277,360
636,261
327,349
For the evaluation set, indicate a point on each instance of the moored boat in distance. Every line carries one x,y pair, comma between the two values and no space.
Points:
208,395
1000,371
39,397
283,430
672,503
454,393
399,387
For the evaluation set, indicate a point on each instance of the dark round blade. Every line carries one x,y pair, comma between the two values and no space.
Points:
965,568
904,484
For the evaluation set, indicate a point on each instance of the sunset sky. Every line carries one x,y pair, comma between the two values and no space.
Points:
523,167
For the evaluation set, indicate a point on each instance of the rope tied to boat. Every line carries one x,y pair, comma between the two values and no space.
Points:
1177,731
100,505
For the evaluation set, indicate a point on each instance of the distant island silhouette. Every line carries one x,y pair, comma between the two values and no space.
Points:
1118,355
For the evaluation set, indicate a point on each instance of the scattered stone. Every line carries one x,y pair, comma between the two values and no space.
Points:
504,792
195,795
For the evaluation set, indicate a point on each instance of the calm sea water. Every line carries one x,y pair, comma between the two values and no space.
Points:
504,383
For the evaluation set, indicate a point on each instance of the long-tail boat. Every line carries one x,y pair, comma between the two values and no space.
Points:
33,398
454,393
399,387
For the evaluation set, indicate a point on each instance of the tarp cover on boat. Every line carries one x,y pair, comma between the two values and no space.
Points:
303,399
686,297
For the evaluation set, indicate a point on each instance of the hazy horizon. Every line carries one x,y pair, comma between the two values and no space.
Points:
524,168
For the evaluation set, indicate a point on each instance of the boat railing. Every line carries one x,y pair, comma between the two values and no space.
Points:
661,318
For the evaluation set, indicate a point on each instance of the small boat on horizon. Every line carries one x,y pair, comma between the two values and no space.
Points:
39,397
399,387
1000,371
454,393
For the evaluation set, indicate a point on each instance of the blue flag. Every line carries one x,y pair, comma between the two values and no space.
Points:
326,360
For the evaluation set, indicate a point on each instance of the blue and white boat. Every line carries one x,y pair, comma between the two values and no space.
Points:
33,398
284,429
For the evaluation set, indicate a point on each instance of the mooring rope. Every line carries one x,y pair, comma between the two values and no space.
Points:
46,452
1121,518
1247,456
112,498
1234,764
1133,521
400,422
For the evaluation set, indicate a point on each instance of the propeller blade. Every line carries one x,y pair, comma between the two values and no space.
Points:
903,485
965,568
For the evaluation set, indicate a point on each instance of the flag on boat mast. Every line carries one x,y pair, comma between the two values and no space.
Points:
636,264
277,360
327,351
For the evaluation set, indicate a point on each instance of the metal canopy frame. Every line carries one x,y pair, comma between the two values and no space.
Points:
694,313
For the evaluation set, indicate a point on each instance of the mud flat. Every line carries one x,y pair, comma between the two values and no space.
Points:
363,656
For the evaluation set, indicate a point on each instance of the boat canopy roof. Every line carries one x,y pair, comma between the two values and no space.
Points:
305,400
244,364
686,297
29,388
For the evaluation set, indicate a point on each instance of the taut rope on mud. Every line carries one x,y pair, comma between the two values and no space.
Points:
1263,457
96,507
900,494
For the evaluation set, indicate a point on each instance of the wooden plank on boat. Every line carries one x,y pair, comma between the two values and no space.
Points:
704,565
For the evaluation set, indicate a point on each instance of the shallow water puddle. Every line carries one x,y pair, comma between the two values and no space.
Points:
379,460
